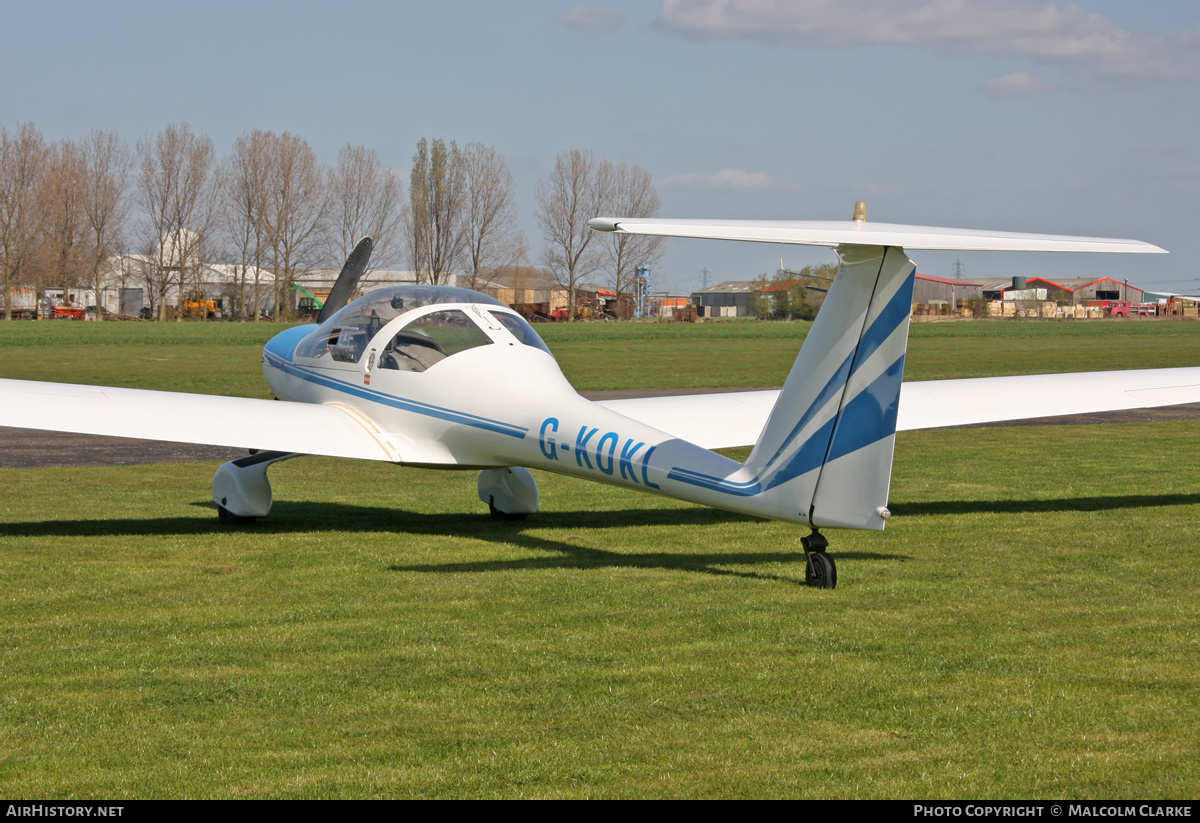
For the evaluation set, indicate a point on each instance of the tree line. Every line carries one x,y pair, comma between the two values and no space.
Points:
273,211
792,295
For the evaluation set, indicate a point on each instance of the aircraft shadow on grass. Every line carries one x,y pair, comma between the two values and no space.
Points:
300,516
1058,504
305,516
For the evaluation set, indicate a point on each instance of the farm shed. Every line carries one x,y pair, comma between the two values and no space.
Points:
1070,290
733,294
931,289
1083,289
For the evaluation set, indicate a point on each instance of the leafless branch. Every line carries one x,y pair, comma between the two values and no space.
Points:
576,191
22,160
434,213
493,243
174,190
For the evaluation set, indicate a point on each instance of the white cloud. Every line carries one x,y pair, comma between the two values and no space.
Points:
591,18
1020,84
1067,36
724,179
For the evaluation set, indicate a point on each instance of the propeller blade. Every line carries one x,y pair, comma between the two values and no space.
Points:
347,281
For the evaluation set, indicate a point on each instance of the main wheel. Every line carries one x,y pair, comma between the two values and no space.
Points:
499,515
227,518
822,572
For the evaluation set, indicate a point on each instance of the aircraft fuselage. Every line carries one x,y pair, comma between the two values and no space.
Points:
502,403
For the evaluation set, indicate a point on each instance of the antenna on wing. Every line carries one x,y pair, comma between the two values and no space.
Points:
347,280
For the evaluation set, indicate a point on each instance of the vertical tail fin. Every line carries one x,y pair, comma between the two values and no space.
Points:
825,456
826,451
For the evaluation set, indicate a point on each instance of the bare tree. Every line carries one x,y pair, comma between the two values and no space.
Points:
105,205
174,190
576,191
632,194
365,201
294,211
64,230
242,184
22,158
434,213
492,242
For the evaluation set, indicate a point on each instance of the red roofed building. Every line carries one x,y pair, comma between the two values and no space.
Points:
1073,290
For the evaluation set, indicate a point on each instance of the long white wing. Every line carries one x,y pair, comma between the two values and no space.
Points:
938,403
734,419
721,420
835,233
238,422
714,421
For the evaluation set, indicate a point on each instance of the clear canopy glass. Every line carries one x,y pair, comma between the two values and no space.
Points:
345,335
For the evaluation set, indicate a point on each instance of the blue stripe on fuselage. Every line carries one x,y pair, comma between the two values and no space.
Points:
284,364
706,481
283,345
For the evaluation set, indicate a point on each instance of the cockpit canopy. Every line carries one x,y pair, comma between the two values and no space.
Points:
428,338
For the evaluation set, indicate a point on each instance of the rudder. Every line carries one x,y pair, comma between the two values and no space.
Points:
826,451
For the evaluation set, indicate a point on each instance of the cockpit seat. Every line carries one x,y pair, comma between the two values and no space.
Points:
411,352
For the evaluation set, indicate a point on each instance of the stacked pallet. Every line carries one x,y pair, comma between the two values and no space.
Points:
931,309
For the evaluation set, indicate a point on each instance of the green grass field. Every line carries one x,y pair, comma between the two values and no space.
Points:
224,358
1025,628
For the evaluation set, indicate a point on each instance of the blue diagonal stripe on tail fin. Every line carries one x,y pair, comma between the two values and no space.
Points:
852,487
825,453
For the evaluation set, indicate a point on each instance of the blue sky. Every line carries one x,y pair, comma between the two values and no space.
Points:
991,114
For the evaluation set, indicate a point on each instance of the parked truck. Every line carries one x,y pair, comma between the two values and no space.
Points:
24,302
1112,308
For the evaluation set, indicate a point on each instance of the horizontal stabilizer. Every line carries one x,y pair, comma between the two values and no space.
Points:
835,233
712,420
730,419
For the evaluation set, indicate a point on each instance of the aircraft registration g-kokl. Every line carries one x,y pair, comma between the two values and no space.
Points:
423,376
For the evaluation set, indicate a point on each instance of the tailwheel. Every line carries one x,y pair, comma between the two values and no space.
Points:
821,572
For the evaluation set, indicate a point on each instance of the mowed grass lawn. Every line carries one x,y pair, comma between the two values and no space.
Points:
1025,628
225,358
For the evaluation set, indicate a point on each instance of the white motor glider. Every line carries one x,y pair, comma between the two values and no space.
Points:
425,376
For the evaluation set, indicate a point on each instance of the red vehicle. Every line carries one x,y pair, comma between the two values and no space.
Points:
67,312
1112,308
